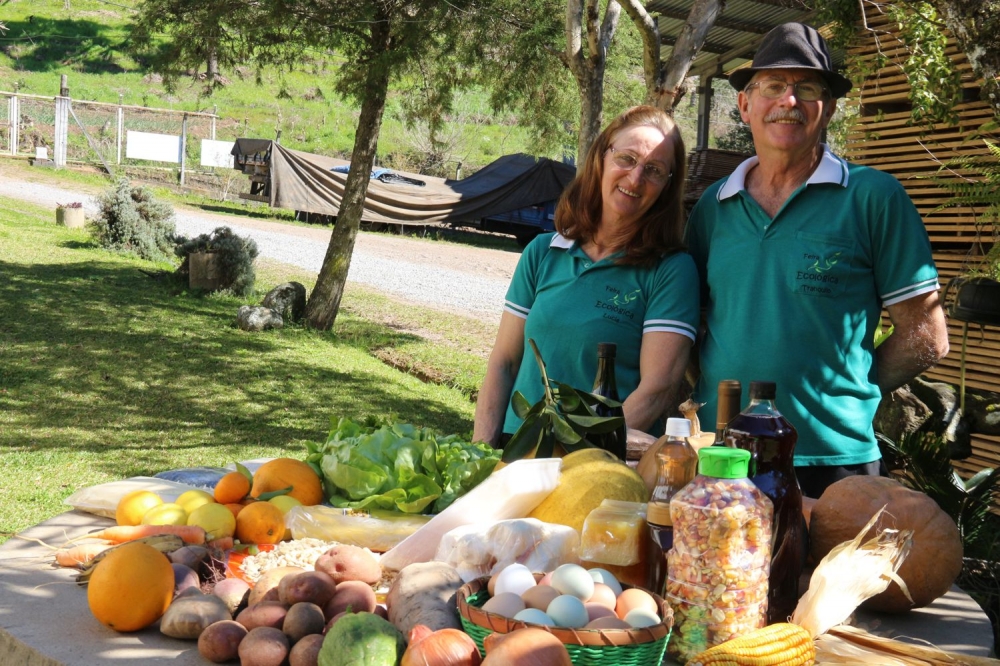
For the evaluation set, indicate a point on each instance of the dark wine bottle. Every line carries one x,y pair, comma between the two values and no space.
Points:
606,386
730,401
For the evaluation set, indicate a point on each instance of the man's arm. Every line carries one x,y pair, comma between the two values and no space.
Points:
919,340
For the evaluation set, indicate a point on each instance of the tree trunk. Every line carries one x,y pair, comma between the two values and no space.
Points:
324,302
976,25
650,32
700,20
588,68
212,72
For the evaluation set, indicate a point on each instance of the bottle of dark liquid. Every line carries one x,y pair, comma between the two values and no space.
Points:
770,438
730,397
677,464
606,386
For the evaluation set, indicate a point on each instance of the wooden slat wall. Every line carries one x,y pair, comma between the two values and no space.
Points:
886,138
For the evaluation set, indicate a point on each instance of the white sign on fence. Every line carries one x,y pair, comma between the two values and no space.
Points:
217,153
156,147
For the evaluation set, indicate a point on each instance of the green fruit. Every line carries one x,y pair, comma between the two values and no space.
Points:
362,639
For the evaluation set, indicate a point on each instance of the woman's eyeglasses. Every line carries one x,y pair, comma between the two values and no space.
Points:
807,91
627,161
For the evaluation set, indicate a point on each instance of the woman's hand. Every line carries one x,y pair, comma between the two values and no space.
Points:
663,357
501,370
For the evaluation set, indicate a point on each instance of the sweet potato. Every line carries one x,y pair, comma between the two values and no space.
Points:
424,593
343,563
313,586
220,642
303,618
264,614
269,580
351,595
306,651
264,646
189,615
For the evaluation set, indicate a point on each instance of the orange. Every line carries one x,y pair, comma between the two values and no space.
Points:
134,505
235,507
231,488
260,522
131,587
281,473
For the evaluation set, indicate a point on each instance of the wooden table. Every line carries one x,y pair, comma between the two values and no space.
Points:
45,621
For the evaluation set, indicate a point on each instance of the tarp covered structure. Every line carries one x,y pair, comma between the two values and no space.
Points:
315,183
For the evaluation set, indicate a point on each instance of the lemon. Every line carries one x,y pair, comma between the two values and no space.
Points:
167,513
216,519
192,499
134,505
285,503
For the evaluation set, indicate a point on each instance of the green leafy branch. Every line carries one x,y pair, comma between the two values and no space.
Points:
564,415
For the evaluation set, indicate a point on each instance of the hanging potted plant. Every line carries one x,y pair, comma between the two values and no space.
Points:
977,291
70,215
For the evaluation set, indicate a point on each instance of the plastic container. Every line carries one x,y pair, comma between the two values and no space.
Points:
613,533
722,540
770,438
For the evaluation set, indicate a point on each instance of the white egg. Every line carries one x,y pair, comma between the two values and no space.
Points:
574,580
604,576
568,611
641,617
535,616
515,578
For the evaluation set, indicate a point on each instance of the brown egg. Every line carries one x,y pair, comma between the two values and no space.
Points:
633,598
595,611
603,595
491,585
507,604
546,579
539,596
609,622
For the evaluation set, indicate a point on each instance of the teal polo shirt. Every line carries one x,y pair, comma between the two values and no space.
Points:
571,303
797,299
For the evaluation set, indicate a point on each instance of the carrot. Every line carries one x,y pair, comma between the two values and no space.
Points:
77,555
222,543
191,534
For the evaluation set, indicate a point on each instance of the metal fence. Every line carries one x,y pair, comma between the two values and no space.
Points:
67,130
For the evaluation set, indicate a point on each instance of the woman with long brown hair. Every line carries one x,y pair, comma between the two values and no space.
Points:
614,271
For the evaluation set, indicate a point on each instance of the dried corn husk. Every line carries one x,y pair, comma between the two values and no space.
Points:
850,645
849,574
689,408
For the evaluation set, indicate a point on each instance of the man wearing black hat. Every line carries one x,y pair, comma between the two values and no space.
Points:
798,252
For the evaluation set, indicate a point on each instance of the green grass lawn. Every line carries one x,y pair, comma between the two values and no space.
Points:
106,373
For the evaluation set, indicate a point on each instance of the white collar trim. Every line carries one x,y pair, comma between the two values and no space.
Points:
831,169
560,241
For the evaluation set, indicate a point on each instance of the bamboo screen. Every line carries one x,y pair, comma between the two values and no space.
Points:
886,138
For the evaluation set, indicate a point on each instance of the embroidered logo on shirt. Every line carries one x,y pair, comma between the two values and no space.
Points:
617,304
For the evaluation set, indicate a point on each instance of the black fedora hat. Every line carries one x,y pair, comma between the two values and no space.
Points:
793,46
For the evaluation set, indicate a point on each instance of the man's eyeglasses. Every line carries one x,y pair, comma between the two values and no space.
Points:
626,161
807,91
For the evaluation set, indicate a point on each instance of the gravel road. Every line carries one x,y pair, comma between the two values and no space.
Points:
449,276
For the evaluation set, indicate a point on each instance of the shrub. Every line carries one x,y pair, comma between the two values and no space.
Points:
132,220
235,255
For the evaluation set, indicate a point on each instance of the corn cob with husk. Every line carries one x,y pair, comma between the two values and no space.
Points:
781,644
849,574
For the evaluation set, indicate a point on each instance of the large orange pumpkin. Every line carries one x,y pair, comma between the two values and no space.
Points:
282,473
935,559
131,588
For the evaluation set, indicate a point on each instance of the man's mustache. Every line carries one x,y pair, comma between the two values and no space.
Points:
785,114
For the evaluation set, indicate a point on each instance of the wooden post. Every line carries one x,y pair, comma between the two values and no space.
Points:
61,123
121,126
184,130
14,115
215,114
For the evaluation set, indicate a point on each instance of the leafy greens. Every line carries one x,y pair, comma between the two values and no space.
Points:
398,466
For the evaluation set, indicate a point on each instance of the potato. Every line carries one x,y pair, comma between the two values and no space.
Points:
352,594
424,593
303,618
333,621
382,611
220,641
344,563
190,614
312,586
264,646
265,614
269,580
184,577
306,651
232,591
